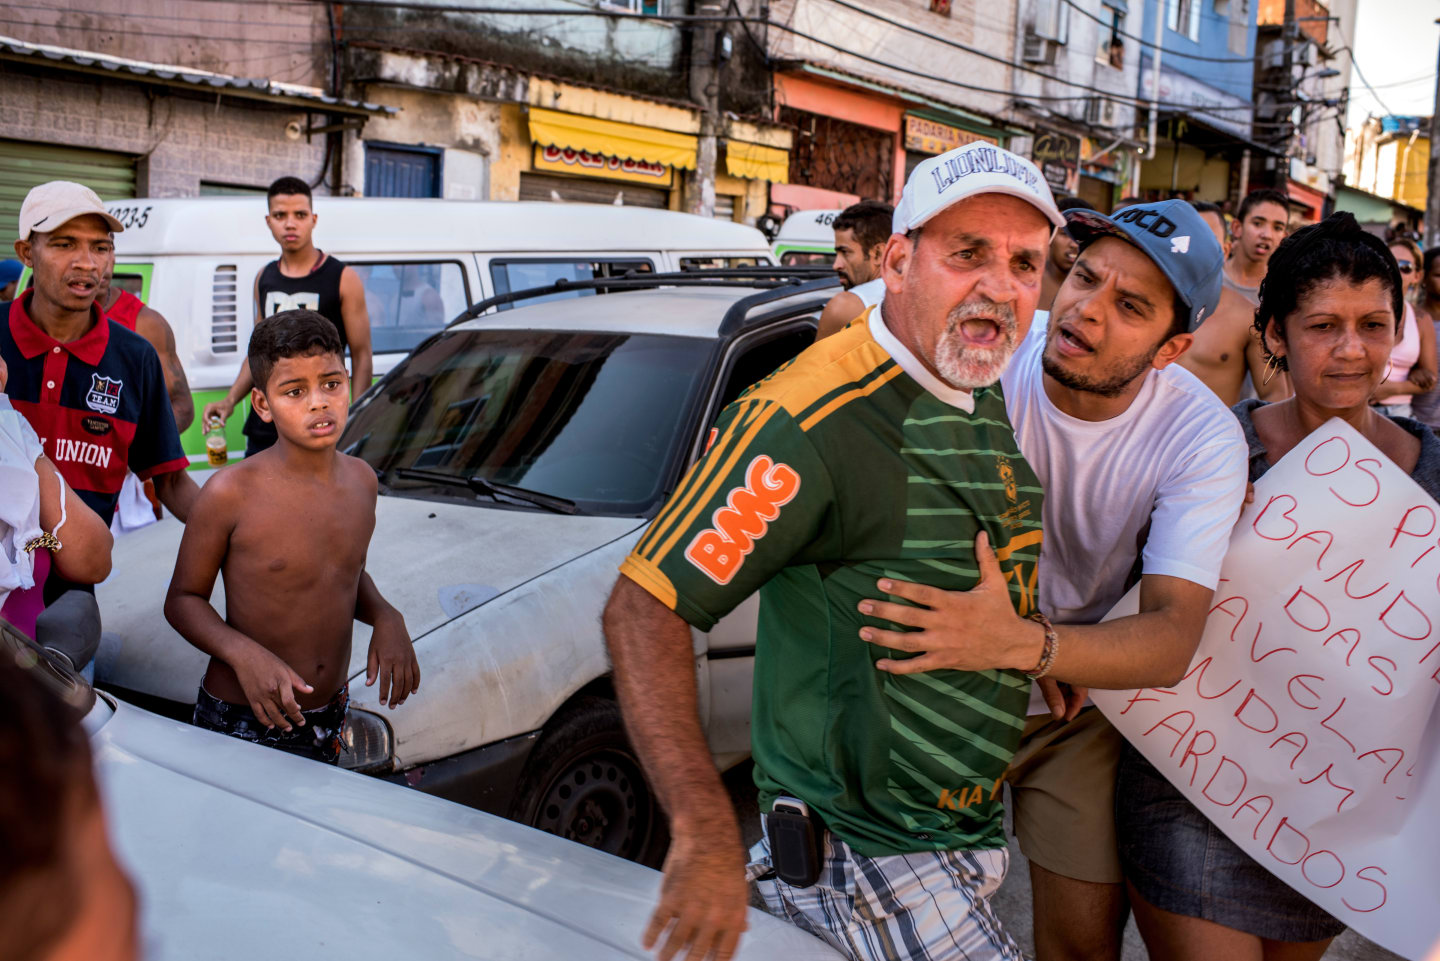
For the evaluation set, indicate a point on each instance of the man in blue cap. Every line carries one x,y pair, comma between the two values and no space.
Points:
1144,475
10,271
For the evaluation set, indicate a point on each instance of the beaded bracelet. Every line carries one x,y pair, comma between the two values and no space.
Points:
1052,646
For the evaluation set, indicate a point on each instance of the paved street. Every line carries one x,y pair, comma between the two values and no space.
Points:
1013,902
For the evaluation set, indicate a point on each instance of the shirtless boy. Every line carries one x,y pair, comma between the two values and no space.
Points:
288,529
1226,346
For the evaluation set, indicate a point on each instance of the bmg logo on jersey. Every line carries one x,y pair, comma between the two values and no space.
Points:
104,394
720,550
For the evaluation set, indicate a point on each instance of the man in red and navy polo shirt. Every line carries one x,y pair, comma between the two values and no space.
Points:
92,390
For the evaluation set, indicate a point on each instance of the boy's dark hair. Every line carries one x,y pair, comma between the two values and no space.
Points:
290,333
1337,248
1073,203
1206,207
869,220
45,757
289,187
1129,201
1265,195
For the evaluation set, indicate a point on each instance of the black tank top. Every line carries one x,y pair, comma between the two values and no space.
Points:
318,291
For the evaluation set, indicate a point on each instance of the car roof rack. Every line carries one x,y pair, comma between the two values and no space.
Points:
779,280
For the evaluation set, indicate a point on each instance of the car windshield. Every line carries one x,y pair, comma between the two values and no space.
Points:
594,419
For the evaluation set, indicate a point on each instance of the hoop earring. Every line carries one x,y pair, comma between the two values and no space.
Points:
1272,367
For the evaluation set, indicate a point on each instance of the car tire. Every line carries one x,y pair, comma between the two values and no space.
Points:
584,782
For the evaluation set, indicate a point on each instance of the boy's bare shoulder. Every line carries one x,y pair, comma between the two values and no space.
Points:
360,473
231,484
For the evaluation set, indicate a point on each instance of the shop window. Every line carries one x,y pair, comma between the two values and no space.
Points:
511,275
1183,16
837,155
1112,39
408,302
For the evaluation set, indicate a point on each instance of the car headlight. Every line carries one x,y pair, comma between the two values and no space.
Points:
369,745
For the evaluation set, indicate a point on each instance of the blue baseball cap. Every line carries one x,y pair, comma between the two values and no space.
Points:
10,271
1173,235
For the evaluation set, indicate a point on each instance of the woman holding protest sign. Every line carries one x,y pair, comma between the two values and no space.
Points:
1330,308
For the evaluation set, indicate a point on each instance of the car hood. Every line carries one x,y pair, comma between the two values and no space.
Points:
432,560
239,850
443,559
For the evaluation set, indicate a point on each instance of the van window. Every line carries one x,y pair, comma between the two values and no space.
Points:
409,301
759,361
510,275
706,263
806,258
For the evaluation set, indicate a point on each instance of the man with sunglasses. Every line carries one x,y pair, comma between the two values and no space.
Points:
1227,354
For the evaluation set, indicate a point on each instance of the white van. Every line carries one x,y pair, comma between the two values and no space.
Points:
807,238
195,260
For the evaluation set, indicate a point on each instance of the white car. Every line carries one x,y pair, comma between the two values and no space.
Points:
520,457
241,852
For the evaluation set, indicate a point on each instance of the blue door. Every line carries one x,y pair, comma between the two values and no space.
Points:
398,171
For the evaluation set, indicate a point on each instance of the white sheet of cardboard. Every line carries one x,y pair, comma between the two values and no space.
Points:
1307,726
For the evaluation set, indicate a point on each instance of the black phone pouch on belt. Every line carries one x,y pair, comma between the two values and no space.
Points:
795,844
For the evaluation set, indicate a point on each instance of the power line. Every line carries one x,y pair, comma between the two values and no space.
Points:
1146,43
1355,65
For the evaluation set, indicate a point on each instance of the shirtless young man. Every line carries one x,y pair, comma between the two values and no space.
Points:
1226,346
289,529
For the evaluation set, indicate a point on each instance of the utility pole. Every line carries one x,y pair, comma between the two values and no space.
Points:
1432,181
705,66
1287,132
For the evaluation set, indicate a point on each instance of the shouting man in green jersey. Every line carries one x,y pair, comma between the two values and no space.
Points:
881,452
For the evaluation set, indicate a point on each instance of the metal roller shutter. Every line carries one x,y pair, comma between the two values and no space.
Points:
538,186
24,165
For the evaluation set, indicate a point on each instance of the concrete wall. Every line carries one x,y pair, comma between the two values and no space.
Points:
288,42
180,141
980,24
467,128
1076,61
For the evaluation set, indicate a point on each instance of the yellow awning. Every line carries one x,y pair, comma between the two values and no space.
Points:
755,162
628,141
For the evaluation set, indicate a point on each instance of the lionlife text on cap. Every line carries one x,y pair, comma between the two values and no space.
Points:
976,168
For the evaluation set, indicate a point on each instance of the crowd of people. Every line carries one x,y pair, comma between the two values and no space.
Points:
1018,409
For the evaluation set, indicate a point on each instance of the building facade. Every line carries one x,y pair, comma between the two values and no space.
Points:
1203,146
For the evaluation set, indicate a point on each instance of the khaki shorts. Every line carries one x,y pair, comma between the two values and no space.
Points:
1062,791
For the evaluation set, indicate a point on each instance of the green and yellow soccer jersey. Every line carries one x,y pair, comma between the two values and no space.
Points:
837,470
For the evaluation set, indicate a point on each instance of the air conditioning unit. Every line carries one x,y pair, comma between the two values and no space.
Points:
1272,55
1100,111
1041,50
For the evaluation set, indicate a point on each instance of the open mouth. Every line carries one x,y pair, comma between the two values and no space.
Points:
81,288
980,331
324,426
1071,341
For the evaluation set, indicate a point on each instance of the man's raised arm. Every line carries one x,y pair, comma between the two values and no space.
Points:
704,896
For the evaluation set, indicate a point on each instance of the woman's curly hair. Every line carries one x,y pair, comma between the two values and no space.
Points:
1337,248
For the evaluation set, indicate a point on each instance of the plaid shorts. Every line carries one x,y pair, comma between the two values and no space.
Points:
901,907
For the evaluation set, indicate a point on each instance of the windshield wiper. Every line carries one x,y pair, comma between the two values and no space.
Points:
491,489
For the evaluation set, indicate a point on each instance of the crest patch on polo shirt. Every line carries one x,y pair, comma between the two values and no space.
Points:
104,394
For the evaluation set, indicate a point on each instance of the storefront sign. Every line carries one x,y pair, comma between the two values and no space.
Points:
1058,157
565,160
1308,724
929,136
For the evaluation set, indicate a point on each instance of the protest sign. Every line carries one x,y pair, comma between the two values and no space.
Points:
1306,727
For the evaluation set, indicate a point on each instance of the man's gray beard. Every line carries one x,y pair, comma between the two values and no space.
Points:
969,368
1120,375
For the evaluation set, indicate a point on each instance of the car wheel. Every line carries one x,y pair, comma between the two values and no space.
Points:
584,782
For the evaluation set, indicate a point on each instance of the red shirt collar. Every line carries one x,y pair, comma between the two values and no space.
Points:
33,341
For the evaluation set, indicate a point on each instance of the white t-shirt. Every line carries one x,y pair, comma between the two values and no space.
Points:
871,292
19,499
1163,481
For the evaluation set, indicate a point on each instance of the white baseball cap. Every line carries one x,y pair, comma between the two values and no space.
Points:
976,168
48,206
